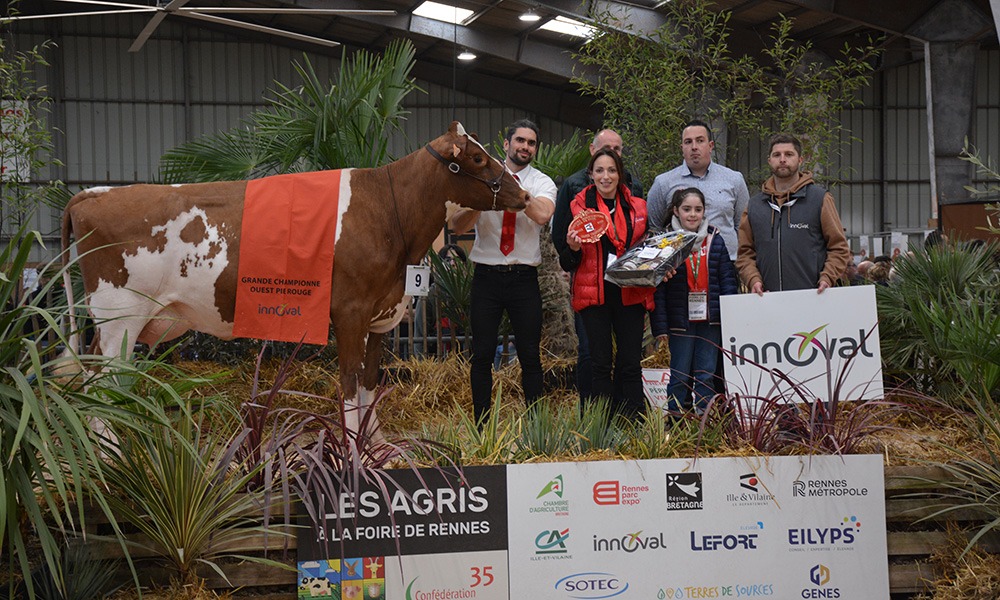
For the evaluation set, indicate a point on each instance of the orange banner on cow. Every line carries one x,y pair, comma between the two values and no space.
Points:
285,272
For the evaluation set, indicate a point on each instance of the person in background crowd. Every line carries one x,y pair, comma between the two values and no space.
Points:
687,306
606,138
791,237
507,254
726,193
613,316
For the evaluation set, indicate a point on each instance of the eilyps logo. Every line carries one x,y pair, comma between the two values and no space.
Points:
842,536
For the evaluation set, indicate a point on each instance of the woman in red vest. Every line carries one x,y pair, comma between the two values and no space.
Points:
607,309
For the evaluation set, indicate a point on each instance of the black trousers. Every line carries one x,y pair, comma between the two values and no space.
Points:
514,290
625,324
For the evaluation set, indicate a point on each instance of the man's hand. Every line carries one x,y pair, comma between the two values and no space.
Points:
669,274
822,286
758,288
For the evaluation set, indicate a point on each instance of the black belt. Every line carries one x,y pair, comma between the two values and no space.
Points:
506,268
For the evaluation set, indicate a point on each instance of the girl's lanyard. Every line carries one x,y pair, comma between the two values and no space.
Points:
698,289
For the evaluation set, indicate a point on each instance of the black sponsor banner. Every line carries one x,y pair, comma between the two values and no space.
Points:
422,512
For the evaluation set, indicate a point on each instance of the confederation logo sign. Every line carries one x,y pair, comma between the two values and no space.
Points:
684,491
434,593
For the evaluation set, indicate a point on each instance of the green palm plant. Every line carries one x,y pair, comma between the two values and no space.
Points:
941,301
314,126
182,486
51,471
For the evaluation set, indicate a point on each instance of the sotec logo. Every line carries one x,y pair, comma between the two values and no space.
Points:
800,349
282,310
592,586
551,496
614,493
684,491
841,537
819,575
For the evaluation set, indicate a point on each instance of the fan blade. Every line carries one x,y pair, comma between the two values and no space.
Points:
153,23
108,3
76,14
294,11
260,28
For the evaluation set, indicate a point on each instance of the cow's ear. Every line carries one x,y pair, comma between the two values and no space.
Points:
474,136
455,151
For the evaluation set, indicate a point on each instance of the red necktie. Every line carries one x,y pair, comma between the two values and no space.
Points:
508,230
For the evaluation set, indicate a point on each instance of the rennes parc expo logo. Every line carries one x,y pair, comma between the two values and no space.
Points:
800,348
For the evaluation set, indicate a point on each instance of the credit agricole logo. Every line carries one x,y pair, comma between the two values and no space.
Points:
800,349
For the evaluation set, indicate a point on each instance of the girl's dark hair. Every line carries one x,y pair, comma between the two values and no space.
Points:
680,195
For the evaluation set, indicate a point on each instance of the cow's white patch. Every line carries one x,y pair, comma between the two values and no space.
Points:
460,129
343,201
175,283
100,189
387,320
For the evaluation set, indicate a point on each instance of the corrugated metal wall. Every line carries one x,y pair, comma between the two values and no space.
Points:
118,112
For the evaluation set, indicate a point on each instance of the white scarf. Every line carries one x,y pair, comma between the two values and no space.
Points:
675,223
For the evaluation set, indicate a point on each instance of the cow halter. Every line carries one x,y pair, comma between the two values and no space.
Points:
494,183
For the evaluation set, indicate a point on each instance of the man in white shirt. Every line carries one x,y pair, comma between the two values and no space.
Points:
507,254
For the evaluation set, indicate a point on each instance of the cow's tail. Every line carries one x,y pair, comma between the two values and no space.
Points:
73,344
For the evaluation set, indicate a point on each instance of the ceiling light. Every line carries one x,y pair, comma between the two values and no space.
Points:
442,12
466,55
530,17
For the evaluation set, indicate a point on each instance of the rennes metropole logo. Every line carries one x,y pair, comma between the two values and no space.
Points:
809,348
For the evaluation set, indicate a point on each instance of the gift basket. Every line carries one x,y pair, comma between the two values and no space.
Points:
645,264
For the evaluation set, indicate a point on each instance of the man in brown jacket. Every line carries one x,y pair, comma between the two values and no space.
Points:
791,237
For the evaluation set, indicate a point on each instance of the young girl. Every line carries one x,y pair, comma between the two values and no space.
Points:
687,305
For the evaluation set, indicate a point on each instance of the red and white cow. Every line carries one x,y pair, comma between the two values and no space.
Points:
159,260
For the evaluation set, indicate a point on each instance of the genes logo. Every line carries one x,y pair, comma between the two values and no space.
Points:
684,491
592,585
819,575
554,488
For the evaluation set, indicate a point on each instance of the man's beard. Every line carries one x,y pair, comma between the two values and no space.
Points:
784,172
514,158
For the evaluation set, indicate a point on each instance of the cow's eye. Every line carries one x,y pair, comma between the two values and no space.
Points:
478,160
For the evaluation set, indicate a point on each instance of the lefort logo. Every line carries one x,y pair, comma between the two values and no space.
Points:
684,491
800,349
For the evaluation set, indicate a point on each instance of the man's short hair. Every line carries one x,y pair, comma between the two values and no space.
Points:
784,138
699,123
525,123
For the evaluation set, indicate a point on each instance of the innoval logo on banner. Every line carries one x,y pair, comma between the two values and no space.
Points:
813,339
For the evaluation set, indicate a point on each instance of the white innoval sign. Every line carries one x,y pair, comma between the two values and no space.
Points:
817,341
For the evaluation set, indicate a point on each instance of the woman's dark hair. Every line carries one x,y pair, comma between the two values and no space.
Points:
678,198
614,156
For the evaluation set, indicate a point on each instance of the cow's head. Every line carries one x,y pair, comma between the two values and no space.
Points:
469,162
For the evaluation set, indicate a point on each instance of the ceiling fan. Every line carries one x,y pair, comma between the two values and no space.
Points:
203,13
